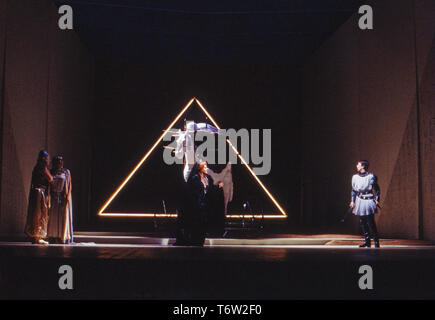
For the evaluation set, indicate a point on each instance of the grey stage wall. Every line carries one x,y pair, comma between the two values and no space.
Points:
46,104
370,95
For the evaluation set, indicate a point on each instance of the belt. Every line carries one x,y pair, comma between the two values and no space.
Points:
40,187
364,192
366,196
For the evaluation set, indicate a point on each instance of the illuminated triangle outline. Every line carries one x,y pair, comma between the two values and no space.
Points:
174,215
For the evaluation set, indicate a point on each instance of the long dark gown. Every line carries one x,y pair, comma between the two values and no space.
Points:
193,211
215,212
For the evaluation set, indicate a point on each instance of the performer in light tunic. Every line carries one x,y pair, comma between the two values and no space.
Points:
186,145
365,201
60,225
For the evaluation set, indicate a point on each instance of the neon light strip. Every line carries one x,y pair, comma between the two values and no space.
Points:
169,215
174,215
144,158
244,162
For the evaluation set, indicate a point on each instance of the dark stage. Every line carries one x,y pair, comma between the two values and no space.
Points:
284,266
325,105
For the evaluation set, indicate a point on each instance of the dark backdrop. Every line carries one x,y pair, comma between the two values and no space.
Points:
331,93
134,102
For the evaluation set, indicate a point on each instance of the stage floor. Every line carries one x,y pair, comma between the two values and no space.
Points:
133,266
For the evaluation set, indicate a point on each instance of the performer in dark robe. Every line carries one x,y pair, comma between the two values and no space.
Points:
216,209
196,207
39,200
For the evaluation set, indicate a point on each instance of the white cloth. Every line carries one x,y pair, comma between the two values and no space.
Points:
226,177
186,146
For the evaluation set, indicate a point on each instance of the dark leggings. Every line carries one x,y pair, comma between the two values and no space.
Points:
368,226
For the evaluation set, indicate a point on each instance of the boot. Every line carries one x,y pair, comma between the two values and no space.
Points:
373,230
376,241
363,224
366,243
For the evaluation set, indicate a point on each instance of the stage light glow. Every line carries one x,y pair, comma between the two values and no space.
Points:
170,215
174,215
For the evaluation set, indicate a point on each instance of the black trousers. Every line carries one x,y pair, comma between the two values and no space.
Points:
368,226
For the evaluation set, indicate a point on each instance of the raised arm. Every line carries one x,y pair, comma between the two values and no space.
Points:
179,150
48,175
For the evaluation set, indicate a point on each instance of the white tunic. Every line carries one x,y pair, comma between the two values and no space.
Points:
364,184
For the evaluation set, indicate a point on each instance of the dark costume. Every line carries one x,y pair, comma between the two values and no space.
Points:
365,190
216,211
39,203
200,209
194,211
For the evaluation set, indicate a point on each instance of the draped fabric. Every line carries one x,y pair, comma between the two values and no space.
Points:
226,177
37,213
39,203
60,225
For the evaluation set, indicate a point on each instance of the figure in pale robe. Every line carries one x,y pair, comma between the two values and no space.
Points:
60,225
